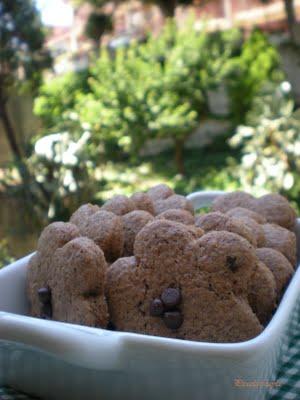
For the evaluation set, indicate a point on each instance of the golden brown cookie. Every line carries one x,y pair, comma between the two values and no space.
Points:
216,221
65,279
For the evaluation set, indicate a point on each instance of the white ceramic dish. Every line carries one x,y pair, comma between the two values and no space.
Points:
61,361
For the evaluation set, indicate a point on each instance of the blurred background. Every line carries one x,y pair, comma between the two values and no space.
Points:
102,97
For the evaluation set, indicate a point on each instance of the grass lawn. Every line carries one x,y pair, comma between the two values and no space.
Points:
211,167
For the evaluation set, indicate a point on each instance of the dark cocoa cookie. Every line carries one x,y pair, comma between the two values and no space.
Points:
160,192
133,222
216,221
228,201
178,215
262,293
240,212
281,239
65,279
142,201
175,201
119,205
278,265
174,287
277,210
103,227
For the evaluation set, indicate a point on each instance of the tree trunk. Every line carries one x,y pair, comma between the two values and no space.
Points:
25,174
9,131
167,7
179,157
291,16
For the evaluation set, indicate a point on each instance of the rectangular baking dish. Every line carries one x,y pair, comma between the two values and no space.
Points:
56,360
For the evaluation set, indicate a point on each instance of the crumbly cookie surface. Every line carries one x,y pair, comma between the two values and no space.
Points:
65,280
211,272
147,264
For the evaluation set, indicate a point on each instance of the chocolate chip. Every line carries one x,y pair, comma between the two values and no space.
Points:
231,262
173,319
156,308
111,326
44,294
171,298
46,311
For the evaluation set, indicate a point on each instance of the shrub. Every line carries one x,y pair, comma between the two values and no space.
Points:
5,257
257,64
270,143
157,89
57,97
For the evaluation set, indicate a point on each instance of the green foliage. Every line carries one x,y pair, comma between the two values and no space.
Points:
57,97
22,56
5,257
157,89
258,63
271,143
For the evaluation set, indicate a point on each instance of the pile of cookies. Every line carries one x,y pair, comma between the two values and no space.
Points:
148,264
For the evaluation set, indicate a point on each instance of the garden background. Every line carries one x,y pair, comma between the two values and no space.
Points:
176,98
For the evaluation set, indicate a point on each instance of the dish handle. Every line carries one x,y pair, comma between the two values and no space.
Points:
85,347
204,199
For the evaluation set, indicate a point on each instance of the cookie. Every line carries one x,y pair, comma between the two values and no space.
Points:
133,222
82,214
65,278
216,221
262,293
228,201
273,207
256,229
177,215
277,210
119,205
240,212
279,265
281,239
181,286
142,201
175,201
160,192
103,227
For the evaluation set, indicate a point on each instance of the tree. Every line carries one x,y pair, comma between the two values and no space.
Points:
22,57
155,90
291,16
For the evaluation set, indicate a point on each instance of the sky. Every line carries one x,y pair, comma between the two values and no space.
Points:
55,12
